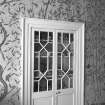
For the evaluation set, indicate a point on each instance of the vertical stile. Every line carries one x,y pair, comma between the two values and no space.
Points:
69,60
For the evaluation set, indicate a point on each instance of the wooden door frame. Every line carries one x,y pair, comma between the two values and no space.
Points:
27,24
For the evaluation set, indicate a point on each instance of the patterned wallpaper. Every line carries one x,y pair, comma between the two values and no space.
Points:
92,12
10,51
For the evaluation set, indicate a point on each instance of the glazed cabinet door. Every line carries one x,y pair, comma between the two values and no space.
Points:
66,84
42,66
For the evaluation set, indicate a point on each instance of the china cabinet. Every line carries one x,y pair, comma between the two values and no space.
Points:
53,62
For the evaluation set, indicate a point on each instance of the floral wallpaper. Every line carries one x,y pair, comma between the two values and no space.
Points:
92,12
10,51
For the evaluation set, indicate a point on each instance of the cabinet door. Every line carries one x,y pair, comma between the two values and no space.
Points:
65,93
42,70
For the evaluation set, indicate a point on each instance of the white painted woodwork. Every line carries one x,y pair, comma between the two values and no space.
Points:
68,96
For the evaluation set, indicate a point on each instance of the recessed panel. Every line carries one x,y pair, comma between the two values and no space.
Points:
65,99
43,101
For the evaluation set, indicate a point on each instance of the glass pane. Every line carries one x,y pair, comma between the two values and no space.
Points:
71,37
60,74
65,82
60,47
49,47
43,84
43,64
50,36
65,53
50,54
65,63
70,47
35,86
59,62
49,74
71,60
37,75
59,54
36,54
43,37
59,84
65,39
71,82
59,37
50,85
50,62
37,47
35,63
43,52
70,73
36,36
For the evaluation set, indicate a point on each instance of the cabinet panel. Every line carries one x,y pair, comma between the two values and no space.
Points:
65,99
43,101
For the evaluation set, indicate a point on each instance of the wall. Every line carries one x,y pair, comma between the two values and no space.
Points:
92,12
